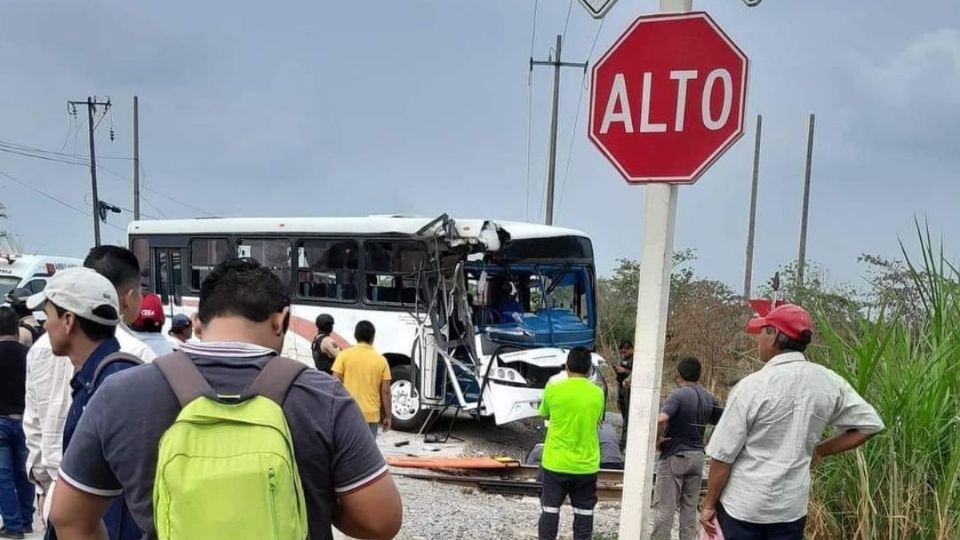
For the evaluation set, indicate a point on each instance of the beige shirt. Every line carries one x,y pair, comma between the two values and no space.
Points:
773,421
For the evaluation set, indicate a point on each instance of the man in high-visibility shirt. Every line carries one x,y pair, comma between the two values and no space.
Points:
571,455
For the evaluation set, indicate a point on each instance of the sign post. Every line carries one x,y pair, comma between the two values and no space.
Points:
666,101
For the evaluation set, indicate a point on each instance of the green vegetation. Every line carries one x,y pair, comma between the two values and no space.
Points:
904,358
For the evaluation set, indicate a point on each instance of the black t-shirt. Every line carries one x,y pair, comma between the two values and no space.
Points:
627,364
13,376
690,409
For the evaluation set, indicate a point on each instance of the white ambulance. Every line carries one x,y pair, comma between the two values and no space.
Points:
30,272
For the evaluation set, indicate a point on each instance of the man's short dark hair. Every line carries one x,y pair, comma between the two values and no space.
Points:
578,360
9,322
626,344
786,343
241,288
115,263
324,323
689,369
365,332
95,331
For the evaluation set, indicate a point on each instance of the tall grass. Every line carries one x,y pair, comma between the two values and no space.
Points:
905,482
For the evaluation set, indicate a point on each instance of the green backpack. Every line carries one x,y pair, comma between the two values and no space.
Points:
226,467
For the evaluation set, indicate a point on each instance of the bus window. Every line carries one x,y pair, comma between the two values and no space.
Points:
391,271
205,254
272,253
141,248
328,269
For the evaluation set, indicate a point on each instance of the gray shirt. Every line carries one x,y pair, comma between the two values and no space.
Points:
114,449
690,409
773,421
155,341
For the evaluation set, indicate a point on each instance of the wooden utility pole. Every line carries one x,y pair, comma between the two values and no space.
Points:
92,105
748,272
136,158
552,168
802,258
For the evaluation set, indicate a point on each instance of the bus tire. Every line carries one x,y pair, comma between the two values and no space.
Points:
407,413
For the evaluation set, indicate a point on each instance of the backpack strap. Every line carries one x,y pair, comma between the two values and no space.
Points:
275,379
112,358
183,377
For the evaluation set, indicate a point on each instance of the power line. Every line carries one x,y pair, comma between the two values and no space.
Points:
533,36
567,22
576,122
53,198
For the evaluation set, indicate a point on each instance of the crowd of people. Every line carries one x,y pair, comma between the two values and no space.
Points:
765,442
109,429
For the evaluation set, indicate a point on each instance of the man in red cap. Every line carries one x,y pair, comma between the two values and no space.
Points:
149,324
769,435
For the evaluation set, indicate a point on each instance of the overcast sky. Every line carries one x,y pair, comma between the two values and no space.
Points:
351,108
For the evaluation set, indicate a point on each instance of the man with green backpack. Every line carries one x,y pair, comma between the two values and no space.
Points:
226,439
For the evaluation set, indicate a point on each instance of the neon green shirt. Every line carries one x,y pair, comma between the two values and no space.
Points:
574,407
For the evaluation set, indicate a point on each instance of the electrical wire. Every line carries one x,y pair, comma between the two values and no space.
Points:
533,36
566,22
53,198
576,124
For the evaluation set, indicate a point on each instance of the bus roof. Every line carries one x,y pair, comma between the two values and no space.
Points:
338,225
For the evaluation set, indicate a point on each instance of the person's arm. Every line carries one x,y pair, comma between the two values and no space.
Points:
77,515
386,404
662,422
545,404
854,418
848,440
373,512
35,404
728,440
337,368
716,481
329,347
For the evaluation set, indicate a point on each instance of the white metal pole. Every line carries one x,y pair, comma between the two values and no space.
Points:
656,260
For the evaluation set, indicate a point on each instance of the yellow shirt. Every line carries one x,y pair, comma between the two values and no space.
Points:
363,370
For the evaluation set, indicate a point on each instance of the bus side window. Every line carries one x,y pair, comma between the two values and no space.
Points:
391,271
205,255
328,270
272,253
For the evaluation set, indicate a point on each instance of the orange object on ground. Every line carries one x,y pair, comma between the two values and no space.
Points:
453,462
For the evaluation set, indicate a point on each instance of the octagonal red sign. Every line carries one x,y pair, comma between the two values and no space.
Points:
668,98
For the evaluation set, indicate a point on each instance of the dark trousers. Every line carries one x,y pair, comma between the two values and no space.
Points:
16,491
582,489
734,529
623,403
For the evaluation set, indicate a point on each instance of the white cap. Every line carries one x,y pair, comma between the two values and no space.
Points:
79,291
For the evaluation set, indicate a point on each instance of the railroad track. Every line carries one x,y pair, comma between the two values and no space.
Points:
496,484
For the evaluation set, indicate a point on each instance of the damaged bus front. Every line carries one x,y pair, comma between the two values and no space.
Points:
503,303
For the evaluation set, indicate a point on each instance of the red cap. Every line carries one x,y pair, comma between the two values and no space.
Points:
151,308
789,319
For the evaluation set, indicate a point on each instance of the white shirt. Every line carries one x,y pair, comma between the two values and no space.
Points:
48,400
772,423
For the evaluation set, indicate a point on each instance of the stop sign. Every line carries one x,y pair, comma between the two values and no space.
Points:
668,98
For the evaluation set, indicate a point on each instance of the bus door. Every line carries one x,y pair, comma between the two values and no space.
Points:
168,279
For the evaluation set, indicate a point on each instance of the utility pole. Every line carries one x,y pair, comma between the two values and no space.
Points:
136,158
552,170
748,272
802,258
92,105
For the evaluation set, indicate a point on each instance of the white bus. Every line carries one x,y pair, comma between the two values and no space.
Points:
462,308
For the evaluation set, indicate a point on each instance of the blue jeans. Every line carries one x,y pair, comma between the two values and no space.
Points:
16,491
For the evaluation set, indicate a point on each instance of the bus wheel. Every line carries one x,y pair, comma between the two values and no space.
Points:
407,414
